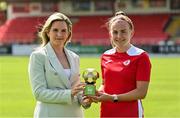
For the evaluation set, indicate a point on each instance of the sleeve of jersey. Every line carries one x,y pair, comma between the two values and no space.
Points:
143,68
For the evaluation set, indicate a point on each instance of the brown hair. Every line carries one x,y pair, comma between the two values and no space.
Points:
120,15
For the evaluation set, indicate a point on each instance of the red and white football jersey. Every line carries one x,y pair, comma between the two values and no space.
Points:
120,71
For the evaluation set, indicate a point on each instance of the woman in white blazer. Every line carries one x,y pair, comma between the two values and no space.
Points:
54,72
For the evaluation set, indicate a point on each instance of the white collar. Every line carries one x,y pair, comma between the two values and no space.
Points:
132,51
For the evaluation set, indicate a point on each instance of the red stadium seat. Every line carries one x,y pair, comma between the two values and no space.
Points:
88,30
20,30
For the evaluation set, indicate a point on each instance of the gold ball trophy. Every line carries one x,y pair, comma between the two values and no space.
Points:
90,76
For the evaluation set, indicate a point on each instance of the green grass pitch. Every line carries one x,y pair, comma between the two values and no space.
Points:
163,99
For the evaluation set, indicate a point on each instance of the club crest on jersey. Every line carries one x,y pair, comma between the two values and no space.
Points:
127,62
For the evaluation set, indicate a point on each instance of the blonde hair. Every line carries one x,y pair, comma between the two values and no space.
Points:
46,27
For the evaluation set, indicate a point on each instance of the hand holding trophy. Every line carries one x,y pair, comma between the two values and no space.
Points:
90,76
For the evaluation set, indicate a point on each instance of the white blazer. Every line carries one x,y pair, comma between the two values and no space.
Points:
51,86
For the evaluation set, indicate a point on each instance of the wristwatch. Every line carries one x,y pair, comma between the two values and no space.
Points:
115,98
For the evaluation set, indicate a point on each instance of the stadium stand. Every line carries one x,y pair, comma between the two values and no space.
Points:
87,30
20,30
175,23
91,30
149,29
2,17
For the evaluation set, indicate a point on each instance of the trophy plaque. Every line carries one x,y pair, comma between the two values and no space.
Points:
90,76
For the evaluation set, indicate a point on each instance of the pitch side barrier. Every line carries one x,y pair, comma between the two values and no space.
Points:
26,49
89,49
5,49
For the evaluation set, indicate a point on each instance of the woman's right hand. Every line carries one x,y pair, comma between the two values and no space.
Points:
86,102
76,89
101,96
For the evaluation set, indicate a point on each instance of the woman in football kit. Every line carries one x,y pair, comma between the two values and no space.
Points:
125,72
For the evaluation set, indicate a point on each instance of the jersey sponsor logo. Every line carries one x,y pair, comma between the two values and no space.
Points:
127,62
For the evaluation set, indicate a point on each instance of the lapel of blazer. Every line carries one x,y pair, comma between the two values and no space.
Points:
70,59
74,79
57,65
